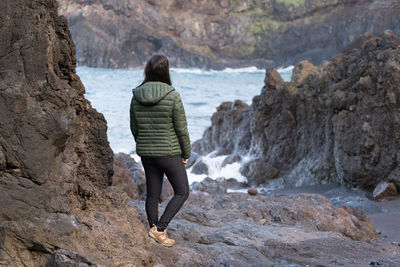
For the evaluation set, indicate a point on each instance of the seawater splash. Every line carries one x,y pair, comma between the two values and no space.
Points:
215,169
110,92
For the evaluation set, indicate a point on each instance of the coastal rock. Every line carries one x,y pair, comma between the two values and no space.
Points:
137,172
123,178
192,160
219,34
236,229
385,189
335,123
134,178
216,186
252,191
200,167
58,205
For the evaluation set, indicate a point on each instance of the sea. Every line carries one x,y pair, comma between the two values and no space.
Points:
110,92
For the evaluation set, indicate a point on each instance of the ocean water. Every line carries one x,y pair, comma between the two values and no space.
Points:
110,92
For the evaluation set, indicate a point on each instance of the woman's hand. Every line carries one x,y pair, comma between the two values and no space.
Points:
185,161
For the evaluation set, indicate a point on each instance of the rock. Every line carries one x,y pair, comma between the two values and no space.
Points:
137,172
58,205
217,186
335,123
268,33
3,162
63,257
231,159
384,190
229,115
200,167
123,178
252,191
192,160
229,229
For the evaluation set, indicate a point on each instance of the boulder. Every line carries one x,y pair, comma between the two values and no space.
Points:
384,190
200,167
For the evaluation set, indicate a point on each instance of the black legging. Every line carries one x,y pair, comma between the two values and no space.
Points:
175,170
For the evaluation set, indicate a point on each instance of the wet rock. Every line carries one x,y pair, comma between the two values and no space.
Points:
192,160
231,159
123,178
265,36
384,190
200,167
252,191
216,186
209,185
321,126
220,137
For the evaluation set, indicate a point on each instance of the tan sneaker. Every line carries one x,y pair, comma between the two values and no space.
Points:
161,237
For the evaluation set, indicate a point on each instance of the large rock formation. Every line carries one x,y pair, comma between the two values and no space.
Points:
59,208
209,33
56,203
338,122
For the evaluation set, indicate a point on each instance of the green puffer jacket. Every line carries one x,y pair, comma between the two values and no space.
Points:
158,121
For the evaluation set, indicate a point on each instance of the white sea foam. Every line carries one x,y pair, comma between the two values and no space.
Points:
215,169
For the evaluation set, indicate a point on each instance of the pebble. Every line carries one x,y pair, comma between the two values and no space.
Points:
252,191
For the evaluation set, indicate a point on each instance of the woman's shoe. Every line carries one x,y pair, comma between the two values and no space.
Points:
161,237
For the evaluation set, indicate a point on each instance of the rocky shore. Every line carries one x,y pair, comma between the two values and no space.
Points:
223,33
66,200
333,123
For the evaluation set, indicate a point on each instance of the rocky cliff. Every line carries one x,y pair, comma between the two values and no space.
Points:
216,34
338,122
56,204
59,204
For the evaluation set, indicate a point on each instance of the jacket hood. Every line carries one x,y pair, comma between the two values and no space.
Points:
151,93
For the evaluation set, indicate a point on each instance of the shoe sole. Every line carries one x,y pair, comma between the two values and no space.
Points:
155,239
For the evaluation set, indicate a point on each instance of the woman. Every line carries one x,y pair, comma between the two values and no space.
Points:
159,126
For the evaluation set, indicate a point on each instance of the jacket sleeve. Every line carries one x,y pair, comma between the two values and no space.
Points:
133,121
180,125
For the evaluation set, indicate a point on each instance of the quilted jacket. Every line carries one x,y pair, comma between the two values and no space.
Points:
158,121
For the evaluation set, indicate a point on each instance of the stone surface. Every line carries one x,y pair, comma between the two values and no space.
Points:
218,34
252,191
236,229
200,167
57,202
385,189
335,123
123,178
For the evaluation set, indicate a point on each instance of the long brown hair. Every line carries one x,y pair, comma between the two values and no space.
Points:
157,70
